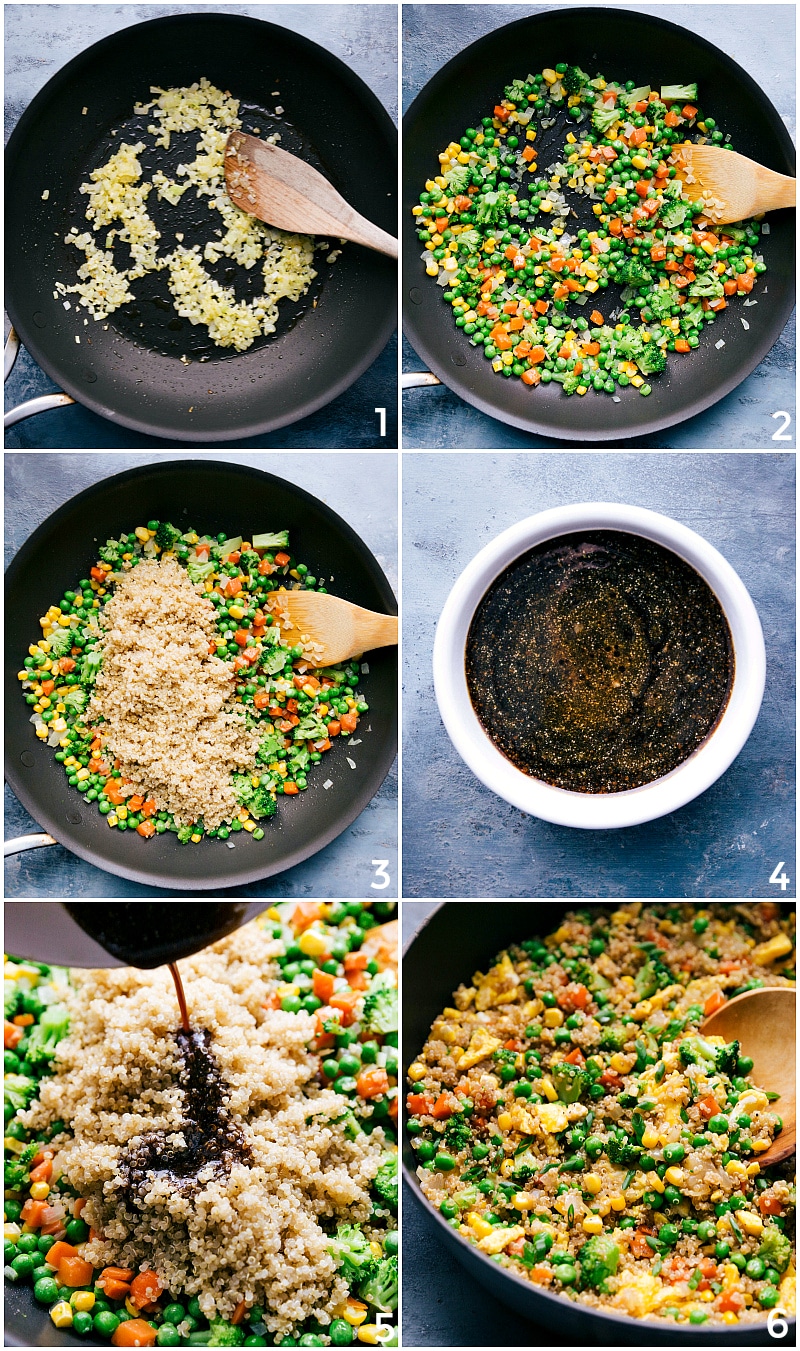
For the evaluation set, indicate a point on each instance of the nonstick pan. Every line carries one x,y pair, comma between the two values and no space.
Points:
128,368
209,496
457,939
623,45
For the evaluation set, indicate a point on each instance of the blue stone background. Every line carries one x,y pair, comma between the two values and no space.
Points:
442,1304
363,490
40,39
459,838
762,39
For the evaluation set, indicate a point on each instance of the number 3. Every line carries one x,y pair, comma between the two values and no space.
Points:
380,865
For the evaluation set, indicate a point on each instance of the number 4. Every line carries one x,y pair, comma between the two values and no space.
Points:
778,879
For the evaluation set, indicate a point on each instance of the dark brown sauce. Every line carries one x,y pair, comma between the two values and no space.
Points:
148,934
176,976
599,661
214,1140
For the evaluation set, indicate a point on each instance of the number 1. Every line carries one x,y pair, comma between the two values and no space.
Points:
382,425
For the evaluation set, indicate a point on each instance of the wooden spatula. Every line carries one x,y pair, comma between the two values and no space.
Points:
763,1022
732,186
329,628
286,192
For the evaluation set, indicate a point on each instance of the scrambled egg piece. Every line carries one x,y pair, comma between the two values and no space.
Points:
481,1046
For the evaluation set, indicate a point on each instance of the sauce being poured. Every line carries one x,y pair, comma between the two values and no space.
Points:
599,661
176,976
214,1140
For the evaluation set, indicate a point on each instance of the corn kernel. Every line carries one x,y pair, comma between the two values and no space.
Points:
548,1089
82,1301
236,612
479,1225
617,1202
592,1183
416,1072
505,1121
312,943
753,1169
354,1312
550,76
507,1167
621,1063
11,1232
524,1201
649,1138
12,1146
639,161
752,1224
40,1191
373,1334
112,819
730,1317
654,1181
122,813
675,1176
735,1169
553,1018
592,1225
61,1314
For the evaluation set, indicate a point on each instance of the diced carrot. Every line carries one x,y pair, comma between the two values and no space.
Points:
729,287
74,1271
575,1057
348,722
537,354
149,808
528,154
658,252
560,291
689,110
615,226
48,686
12,1035
732,1301
136,1332
596,317
591,348
557,263
462,204
707,1106
610,1079
715,1001
290,787
65,665
770,1205
146,829
117,1274
113,791
638,136
502,114
572,997
720,304
239,1313
642,187
322,985
372,1082
345,1002
442,1108
531,377
355,961
242,637
514,325
746,282
641,106
145,1288
79,1207
264,568
115,1289
24,1019
282,559
542,1275
681,345
334,727
251,653
33,1212
135,802
639,1245
393,1106
43,1171
58,1251
53,1222
541,306
98,574
672,119
419,1104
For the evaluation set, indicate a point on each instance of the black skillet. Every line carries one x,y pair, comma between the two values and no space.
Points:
459,938
209,496
623,45
128,367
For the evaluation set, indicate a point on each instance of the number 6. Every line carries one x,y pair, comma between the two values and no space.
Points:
776,1322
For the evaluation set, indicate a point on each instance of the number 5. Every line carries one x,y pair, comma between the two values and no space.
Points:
380,865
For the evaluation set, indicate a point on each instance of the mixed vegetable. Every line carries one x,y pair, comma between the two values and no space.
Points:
300,710
339,963
526,284
571,1121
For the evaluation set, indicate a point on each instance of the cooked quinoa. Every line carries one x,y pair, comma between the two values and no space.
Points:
165,700
571,1120
295,1220
118,196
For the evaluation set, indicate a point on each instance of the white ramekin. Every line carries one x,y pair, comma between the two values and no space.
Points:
598,811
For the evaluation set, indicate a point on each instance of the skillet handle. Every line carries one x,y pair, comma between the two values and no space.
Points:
414,379
31,406
24,842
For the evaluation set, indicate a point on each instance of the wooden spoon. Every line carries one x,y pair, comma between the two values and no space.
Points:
329,628
732,186
286,192
763,1021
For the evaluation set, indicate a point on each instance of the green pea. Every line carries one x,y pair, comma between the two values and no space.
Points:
674,1153
77,1231
479,1151
341,1333
46,1290
24,1264
718,1124
83,1324
768,1297
447,1209
669,1234
174,1313
444,1162
722,1250
566,1274
755,1268
706,1230
345,1084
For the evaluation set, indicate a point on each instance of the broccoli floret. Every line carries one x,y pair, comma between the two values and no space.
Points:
51,1028
569,1081
225,1334
516,92
110,552
458,179
491,207
75,699
673,214
184,834
622,1152
661,302
638,95
262,803
268,749
571,382
273,662
166,535
678,93
90,666
651,361
692,316
311,728
457,1133
348,1120
599,1259
380,1289
695,1050
198,572
604,117
725,1057
380,1004
263,543
351,1249
469,241
385,1182
60,643
18,1091
614,1037
632,272
574,79
708,285
656,110
776,1249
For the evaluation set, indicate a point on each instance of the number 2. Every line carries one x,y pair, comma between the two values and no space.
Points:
380,865
780,435
779,879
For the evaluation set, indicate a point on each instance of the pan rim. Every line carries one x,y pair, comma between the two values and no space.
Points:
263,870
30,336
449,1237
536,424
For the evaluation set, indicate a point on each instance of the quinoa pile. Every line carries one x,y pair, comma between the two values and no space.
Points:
571,1120
260,1232
165,700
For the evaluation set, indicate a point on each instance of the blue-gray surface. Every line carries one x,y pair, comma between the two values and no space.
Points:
40,39
36,485
442,1305
762,39
461,840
